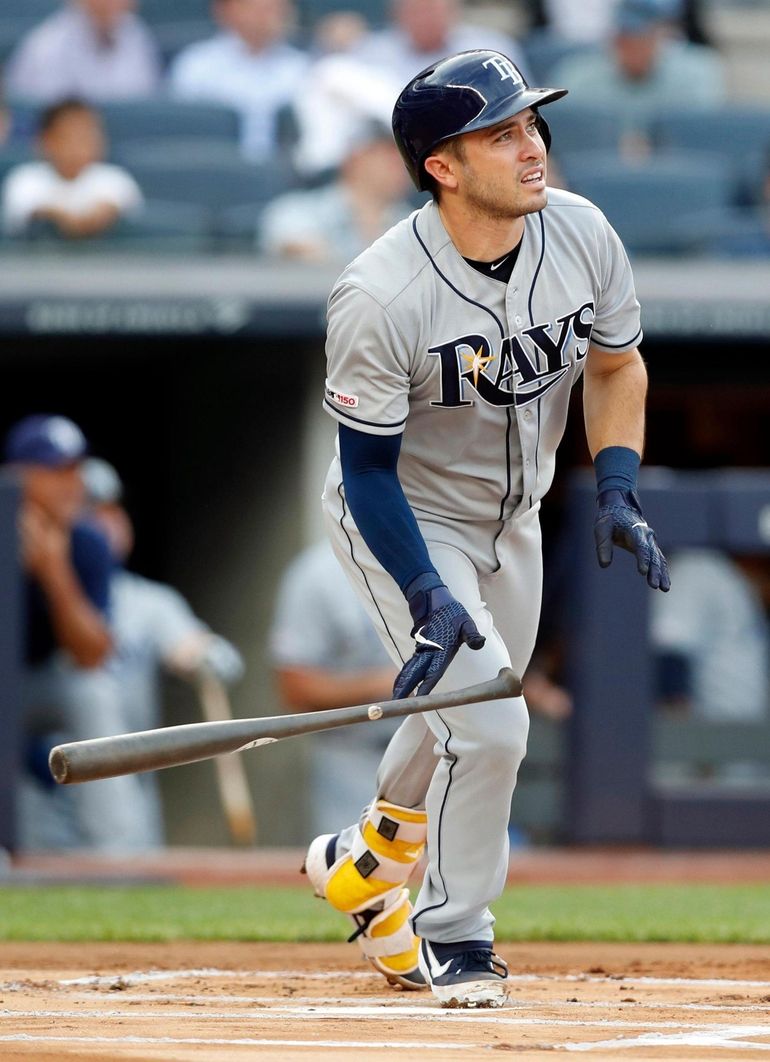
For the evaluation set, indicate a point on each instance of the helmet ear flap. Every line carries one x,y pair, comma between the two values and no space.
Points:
544,131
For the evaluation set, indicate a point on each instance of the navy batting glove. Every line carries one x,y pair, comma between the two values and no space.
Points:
441,626
619,522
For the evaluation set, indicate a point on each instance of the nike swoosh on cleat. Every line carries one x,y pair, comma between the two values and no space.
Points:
426,641
436,968
639,523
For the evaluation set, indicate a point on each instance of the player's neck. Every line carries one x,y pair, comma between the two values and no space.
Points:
484,239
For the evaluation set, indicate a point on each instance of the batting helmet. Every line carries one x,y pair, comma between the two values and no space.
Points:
467,91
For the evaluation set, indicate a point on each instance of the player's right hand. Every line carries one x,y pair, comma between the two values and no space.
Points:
441,626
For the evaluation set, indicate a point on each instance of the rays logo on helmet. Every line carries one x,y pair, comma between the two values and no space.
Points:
505,69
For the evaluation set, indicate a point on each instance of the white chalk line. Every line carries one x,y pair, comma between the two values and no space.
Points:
148,976
717,1038
388,1001
429,1013
143,977
408,1045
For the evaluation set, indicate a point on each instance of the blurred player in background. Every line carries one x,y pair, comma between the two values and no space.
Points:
326,654
154,630
71,192
66,689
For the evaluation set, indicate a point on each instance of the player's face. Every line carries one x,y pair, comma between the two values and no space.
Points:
58,491
257,22
426,23
107,13
501,171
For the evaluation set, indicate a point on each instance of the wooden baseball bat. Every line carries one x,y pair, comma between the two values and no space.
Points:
148,750
232,783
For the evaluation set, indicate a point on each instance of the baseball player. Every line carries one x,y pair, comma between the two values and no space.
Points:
453,345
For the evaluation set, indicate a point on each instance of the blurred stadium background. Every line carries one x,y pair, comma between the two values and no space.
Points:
195,364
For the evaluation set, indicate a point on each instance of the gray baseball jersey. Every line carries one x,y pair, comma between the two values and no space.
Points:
476,373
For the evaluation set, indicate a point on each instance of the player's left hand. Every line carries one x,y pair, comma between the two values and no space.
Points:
441,626
619,522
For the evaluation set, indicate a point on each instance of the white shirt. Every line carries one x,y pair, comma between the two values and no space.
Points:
64,56
35,185
148,621
223,70
391,50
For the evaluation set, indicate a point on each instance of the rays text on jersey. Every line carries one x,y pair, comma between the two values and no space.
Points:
528,364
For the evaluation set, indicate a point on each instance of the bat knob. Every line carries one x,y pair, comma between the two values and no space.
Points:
58,765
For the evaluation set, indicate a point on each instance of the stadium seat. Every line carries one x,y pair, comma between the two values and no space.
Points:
14,155
166,227
171,227
172,37
169,119
649,203
193,151
544,51
160,11
213,183
576,127
12,29
739,134
374,11
728,233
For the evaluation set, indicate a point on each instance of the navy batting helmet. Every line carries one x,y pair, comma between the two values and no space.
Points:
465,92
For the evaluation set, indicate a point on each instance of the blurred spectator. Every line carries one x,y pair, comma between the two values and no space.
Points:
591,21
249,66
338,94
712,638
339,220
71,192
154,630
426,31
95,49
66,691
326,654
339,32
645,67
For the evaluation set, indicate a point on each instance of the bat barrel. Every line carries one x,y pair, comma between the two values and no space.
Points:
148,750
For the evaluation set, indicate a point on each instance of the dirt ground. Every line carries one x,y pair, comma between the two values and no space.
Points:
225,1002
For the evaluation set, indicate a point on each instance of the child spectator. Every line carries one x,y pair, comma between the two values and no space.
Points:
71,191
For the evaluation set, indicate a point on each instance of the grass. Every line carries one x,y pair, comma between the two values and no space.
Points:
685,913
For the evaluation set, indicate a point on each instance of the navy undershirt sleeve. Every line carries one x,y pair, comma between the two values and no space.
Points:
93,564
379,506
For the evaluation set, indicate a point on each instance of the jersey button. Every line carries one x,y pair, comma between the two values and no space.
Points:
527,414
517,319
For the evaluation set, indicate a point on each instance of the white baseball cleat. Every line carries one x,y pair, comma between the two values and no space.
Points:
466,975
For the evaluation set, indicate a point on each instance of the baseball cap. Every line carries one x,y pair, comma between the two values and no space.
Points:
102,482
639,16
45,439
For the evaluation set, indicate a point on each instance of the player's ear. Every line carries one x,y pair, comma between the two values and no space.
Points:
442,168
